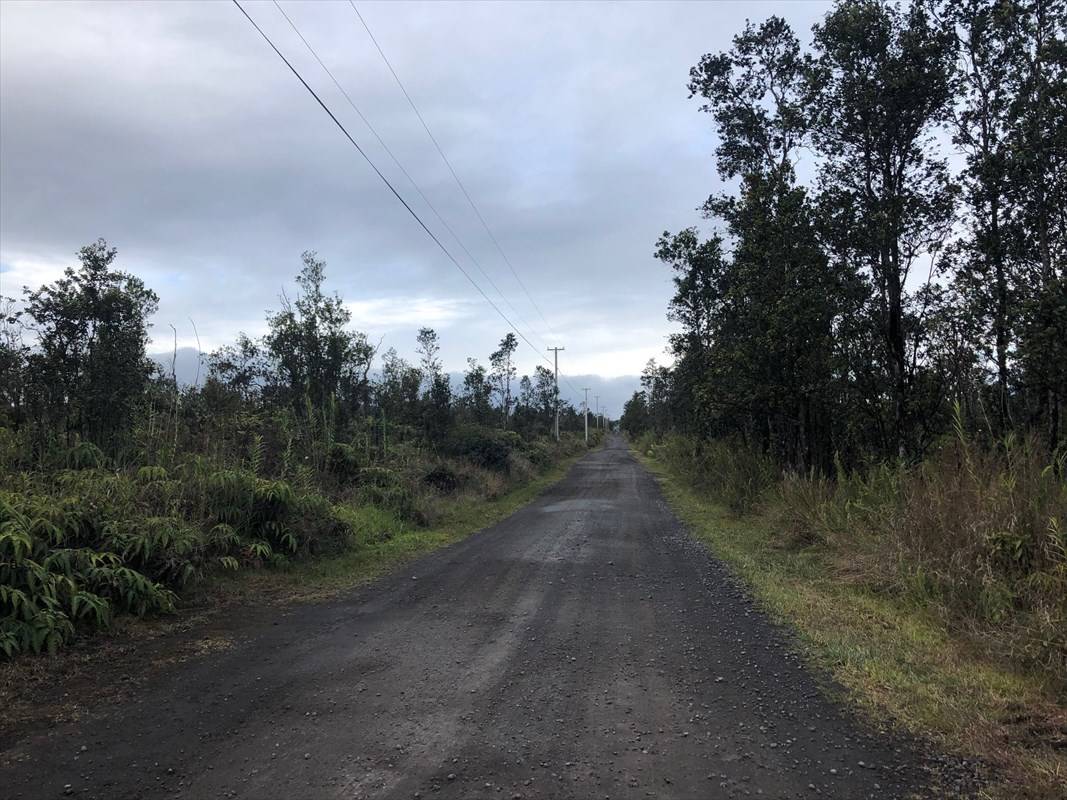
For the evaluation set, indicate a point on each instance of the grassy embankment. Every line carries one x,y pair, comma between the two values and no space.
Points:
884,628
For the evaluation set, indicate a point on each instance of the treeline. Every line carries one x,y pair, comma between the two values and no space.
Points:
894,246
119,486
873,344
74,370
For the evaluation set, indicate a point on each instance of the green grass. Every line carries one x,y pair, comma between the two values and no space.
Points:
895,661
385,542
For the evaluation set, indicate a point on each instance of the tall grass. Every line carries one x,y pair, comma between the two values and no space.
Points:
732,473
974,534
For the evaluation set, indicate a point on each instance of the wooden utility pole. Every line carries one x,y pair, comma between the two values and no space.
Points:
555,358
585,413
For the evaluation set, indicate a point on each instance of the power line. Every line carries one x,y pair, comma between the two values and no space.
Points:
451,169
386,181
400,166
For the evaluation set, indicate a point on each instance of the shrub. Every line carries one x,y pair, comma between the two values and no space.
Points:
85,455
85,542
48,588
734,474
520,468
382,477
540,453
167,548
442,477
318,525
484,447
394,499
344,461
974,533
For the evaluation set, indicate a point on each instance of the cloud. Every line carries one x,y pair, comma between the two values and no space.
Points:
174,132
21,269
392,313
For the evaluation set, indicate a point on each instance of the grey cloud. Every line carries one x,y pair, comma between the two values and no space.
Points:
173,131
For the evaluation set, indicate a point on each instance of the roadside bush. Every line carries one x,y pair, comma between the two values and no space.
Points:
973,533
344,462
442,478
540,453
85,455
49,586
270,518
735,475
318,524
479,482
397,500
484,447
381,477
520,468
646,443
80,545
95,538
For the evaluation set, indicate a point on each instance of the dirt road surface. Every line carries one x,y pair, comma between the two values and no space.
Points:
583,648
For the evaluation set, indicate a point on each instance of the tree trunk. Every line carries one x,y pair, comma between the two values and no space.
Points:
1000,323
897,346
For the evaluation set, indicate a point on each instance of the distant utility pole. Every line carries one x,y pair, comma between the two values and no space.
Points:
597,417
555,358
585,409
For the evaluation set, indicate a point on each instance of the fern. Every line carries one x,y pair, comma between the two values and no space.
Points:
86,455
255,454
151,474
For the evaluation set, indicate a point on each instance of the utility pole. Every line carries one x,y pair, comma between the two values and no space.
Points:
597,417
555,358
585,409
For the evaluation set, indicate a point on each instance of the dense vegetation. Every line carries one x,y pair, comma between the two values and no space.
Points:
874,339
119,487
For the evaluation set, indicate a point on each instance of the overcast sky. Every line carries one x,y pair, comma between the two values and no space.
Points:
174,132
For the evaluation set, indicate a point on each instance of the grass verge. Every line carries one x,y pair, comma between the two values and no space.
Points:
894,660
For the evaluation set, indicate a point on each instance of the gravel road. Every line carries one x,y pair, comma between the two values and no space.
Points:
583,648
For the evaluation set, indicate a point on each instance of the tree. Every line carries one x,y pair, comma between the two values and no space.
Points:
315,358
239,367
502,372
754,352
544,393
885,78
429,348
634,418
14,358
656,382
982,129
1039,189
437,398
89,366
398,389
758,94
477,391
